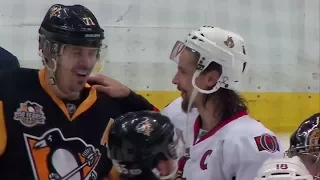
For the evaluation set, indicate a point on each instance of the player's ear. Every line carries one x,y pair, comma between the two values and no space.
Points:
212,78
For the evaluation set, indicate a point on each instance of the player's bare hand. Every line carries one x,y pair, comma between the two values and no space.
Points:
109,86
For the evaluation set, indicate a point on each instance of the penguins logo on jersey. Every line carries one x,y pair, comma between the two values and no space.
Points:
54,11
55,157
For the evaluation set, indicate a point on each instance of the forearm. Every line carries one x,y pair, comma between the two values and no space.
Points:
136,102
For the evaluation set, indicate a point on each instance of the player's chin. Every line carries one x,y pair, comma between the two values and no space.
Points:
165,167
184,95
79,85
184,105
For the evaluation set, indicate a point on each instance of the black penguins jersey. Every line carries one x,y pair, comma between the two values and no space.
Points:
41,139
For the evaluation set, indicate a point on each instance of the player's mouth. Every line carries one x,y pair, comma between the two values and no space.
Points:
82,73
183,93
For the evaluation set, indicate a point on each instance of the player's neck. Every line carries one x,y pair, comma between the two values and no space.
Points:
208,118
60,94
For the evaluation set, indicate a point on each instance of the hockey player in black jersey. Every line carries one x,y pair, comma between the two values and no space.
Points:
51,120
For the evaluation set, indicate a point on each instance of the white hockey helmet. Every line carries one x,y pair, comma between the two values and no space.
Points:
284,169
214,44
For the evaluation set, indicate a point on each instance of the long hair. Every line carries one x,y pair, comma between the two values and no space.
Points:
226,102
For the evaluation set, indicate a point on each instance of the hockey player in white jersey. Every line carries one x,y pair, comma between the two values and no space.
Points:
223,142
284,169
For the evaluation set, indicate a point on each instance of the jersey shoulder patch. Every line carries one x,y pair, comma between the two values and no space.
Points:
267,142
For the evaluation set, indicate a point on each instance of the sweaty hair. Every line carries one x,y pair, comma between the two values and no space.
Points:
226,102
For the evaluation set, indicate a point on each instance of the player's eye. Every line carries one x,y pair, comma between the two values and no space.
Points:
93,53
181,71
77,53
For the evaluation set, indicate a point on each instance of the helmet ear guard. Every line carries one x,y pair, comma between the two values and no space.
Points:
50,49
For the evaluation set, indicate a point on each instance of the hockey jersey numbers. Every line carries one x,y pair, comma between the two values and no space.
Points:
282,166
54,157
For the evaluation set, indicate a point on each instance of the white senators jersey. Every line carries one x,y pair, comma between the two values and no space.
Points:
233,150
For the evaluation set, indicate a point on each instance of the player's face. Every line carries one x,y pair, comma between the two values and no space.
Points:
312,162
74,66
183,78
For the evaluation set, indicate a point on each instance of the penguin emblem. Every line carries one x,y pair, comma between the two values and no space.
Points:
55,157
30,114
144,127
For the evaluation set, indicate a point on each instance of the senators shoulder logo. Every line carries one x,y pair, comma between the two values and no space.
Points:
55,157
267,142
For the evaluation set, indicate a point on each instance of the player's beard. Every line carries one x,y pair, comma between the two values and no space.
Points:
184,104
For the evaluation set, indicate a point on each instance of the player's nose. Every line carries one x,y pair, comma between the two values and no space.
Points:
86,60
175,79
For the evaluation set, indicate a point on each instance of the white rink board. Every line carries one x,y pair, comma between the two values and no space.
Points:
282,37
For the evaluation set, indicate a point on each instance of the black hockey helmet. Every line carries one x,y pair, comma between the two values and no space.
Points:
138,140
74,25
306,139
